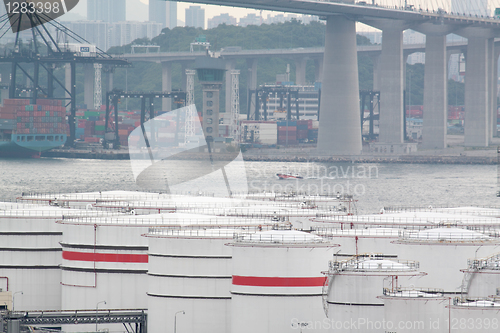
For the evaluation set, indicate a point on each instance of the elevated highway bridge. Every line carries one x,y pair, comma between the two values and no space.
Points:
339,130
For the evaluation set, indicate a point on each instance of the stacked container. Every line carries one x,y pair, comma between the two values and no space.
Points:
287,132
46,117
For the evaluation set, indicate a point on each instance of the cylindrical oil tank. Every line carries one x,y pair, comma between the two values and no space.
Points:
31,255
480,315
482,277
190,272
103,260
412,311
443,252
277,281
354,286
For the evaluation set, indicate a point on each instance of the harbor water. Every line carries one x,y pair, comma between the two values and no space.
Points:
373,185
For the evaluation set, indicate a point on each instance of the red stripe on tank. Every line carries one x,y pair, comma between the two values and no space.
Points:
105,257
259,281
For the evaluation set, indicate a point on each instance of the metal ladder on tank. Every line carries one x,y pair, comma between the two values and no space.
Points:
474,266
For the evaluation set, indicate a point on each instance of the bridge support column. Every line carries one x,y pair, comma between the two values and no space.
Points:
376,72
477,102
251,77
318,67
493,89
184,66
230,65
88,85
166,85
435,93
339,128
110,76
300,71
391,87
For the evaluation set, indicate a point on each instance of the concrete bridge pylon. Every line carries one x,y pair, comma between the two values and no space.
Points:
339,126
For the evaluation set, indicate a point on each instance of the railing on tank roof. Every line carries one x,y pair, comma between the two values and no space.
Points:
380,232
394,220
476,302
481,210
444,236
492,262
224,232
355,263
147,220
258,238
175,205
49,213
411,291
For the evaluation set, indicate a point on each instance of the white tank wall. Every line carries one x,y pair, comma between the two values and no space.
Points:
30,258
474,319
191,275
416,314
443,263
274,309
123,285
484,283
354,296
254,313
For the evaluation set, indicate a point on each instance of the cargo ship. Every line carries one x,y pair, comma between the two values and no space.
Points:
28,129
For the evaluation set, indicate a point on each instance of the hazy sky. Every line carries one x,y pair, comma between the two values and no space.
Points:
210,10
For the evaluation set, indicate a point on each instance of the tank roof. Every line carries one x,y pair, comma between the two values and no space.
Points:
279,237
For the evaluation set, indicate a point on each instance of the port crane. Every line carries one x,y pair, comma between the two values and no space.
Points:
47,52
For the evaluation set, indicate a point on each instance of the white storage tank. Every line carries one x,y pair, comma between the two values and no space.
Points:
277,281
443,252
480,315
189,271
31,255
354,286
482,277
414,310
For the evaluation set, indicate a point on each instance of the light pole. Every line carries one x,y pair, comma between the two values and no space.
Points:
13,297
175,319
97,309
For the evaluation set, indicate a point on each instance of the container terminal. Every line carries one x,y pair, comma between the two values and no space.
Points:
123,261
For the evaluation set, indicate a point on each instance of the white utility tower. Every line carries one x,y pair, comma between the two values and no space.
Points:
191,108
235,105
97,86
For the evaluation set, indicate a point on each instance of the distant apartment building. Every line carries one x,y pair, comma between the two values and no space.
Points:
105,35
226,19
195,17
106,10
250,19
164,12
279,18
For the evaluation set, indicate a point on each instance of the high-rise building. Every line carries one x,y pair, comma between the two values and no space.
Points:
250,19
195,17
221,19
164,12
106,10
